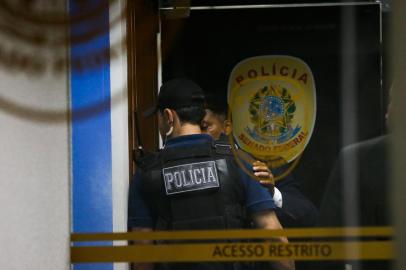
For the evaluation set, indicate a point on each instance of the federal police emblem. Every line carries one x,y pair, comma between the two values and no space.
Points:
272,102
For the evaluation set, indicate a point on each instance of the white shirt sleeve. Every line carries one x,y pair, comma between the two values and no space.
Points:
277,198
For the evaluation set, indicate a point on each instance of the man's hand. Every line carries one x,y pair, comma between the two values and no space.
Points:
262,171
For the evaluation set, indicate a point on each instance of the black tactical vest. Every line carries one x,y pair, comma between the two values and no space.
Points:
194,187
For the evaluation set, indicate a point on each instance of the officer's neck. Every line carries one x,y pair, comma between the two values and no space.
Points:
187,129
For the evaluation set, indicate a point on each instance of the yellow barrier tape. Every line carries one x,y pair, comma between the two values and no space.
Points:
236,234
376,250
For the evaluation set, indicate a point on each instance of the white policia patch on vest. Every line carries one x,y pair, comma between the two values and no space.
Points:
190,177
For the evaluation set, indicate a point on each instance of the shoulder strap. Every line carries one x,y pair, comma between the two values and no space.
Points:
193,151
222,148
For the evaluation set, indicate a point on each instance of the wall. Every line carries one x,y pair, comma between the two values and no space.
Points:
47,117
35,170
99,122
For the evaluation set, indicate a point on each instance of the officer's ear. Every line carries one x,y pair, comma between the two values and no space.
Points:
168,116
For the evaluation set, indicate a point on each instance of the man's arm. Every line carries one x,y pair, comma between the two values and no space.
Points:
260,205
297,210
269,221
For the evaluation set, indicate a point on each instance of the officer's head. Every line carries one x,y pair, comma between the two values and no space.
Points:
180,108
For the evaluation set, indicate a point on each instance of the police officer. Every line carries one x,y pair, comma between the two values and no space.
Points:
192,183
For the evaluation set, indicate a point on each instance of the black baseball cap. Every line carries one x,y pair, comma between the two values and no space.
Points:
178,93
